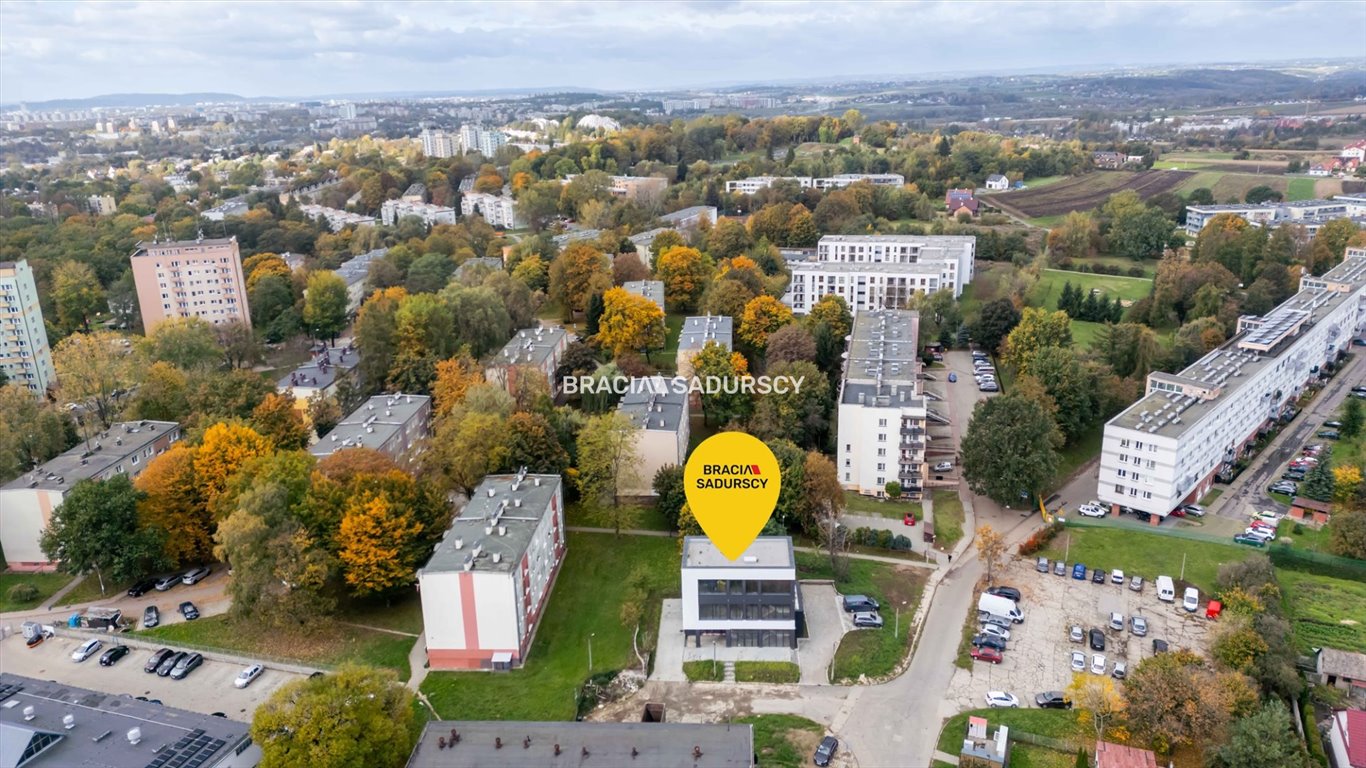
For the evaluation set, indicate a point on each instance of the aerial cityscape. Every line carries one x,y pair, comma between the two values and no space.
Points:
683,385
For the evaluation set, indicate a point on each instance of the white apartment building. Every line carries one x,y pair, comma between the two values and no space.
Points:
395,425
190,278
1167,449
437,143
659,409
532,351
25,356
882,410
486,142
644,189
1274,214
392,210
497,210
690,219
337,220
753,601
489,580
695,334
881,271
27,502
650,289
355,271
102,205
753,184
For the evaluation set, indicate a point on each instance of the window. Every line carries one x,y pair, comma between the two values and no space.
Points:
882,437
1123,443
882,452
1147,494
882,422
1133,491
1124,458
882,481
1151,464
1122,473
1119,489
882,467
1136,477
1138,446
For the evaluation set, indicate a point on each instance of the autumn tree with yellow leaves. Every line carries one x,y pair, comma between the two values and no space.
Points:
630,322
685,272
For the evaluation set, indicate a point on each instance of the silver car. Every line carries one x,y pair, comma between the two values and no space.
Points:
1078,661
1076,635
248,675
1138,625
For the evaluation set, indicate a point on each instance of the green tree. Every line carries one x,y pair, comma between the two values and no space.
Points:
609,457
720,406
728,239
996,320
430,273
1031,463
34,431
800,414
356,716
832,310
325,305
1140,234
1349,533
1074,238
1069,383
669,494
1351,418
92,368
187,344
1038,328
77,295
1264,739
96,528
1319,484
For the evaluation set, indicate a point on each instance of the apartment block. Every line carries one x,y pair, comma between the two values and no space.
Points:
753,184
355,271
489,580
1310,213
337,219
396,425
532,351
659,409
25,356
474,138
497,210
690,219
697,332
881,271
190,278
392,210
641,189
102,205
650,289
1168,448
753,601
882,408
321,375
27,502
439,143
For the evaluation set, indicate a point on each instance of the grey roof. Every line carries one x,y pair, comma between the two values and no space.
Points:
105,450
1342,663
592,745
514,510
373,423
322,369
882,367
357,268
530,346
143,245
699,330
764,552
656,403
687,213
416,189
791,255
166,732
574,235
650,289
646,238
997,177
479,262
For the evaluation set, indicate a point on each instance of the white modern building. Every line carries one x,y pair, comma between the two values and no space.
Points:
391,211
690,219
881,271
497,210
102,205
753,184
25,356
474,138
27,502
488,582
395,425
436,143
532,351
337,220
696,333
1167,449
659,409
882,409
1275,214
753,601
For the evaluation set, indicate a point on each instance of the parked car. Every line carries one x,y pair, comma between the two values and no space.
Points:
1096,638
953,377
1142,516
1259,533
1052,700
1159,646
188,610
1194,510
1060,568
859,604
1138,625
151,617
196,575
1116,576
1117,622
1078,661
1293,476
1098,576
987,617
825,751
1041,565
1006,592
988,641
1136,583
1270,518
867,619
1284,486
166,582
170,662
186,666
1079,571
1120,671
1076,635
1249,540
1098,664
111,656
1092,510
943,466
1332,424
248,675
142,587
987,654
1327,434
1191,600
156,659
86,650
995,631
989,388
1001,699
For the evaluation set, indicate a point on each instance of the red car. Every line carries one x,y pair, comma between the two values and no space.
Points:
987,654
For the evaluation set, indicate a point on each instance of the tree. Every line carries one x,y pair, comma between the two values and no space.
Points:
1351,418
356,716
991,548
272,308
1174,699
454,377
77,295
377,539
577,273
800,414
801,228
790,344
172,504
1140,234
224,451
833,311
430,273
188,343
728,239
608,458
376,336
792,512
96,528
628,267
670,238
533,443
727,297
239,344
1349,533
1346,481
630,322
1097,701
763,315
1074,238
34,431
92,368
325,305
996,320
825,500
279,421
669,494
1318,484
1037,329
684,272
1264,739
1069,384
1031,463
726,402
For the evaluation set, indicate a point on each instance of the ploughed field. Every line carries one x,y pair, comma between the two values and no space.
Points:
1083,193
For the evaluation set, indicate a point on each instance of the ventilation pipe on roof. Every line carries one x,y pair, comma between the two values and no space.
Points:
134,736
28,712
69,722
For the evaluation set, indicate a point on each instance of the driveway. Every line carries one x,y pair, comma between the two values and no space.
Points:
826,625
209,596
669,647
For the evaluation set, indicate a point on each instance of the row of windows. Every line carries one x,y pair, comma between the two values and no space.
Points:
1124,458
1138,445
750,612
743,587
1120,489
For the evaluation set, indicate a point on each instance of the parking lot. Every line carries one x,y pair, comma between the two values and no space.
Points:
207,689
1038,655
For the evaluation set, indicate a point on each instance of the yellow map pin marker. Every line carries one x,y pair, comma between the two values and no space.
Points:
732,482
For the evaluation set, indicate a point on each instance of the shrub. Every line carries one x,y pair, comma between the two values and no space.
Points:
704,670
1135,271
1297,529
884,539
1040,538
767,672
23,592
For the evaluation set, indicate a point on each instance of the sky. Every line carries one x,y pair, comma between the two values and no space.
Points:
52,50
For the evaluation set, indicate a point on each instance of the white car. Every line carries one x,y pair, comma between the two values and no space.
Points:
943,466
1001,699
1191,600
995,631
1098,664
1092,510
246,676
1078,661
1116,576
1260,533
87,649
1270,518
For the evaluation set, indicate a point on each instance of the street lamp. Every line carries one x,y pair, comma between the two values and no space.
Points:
897,631
590,653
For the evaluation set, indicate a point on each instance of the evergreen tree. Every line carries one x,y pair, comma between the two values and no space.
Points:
1066,302
1089,307
1116,311
593,314
1318,484
1351,418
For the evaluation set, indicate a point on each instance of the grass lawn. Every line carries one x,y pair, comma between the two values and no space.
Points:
858,504
1300,189
1203,179
1325,612
1047,222
47,585
1136,551
871,652
1209,498
586,601
948,518
339,643
964,659
1084,333
650,518
714,671
1083,450
1049,288
767,672
1149,267
550,310
88,591
784,741
1043,181
1311,539
402,614
666,359
1052,723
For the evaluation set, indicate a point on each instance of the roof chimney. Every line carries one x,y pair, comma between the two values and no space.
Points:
497,558
134,736
459,543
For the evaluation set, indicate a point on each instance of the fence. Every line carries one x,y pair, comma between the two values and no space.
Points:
1318,563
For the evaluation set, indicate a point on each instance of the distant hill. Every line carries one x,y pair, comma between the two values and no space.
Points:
128,100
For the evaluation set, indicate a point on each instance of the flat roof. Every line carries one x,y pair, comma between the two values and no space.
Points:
606,745
323,368
653,403
530,346
167,734
201,242
943,241
372,424
697,331
357,268
764,552
696,210
513,505
650,289
104,450
886,267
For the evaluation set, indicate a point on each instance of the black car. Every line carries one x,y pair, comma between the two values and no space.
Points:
1293,477
1159,646
825,751
142,587
186,666
170,662
1327,434
859,604
1098,576
988,641
155,662
188,610
1008,592
1097,639
1053,700
1143,517
111,656
1332,424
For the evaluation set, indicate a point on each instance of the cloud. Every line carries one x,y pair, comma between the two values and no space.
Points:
54,50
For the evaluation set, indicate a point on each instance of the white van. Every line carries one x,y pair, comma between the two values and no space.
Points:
1191,600
1001,606
1166,591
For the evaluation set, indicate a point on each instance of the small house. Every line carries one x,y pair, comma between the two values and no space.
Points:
981,751
1310,510
1347,737
996,182
1344,670
960,199
1110,755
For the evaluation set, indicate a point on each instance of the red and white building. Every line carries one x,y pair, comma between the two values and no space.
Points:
1347,736
531,352
488,582
1354,151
